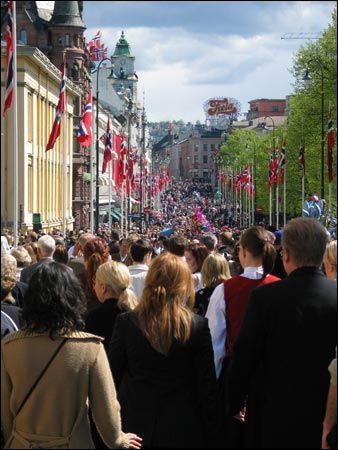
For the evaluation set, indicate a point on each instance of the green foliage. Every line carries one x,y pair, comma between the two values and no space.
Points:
303,126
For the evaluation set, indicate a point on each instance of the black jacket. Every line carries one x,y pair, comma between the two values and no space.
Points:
281,360
170,401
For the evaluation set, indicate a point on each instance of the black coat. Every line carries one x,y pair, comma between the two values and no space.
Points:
281,360
170,401
100,321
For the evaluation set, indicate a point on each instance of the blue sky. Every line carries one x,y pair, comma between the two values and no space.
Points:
189,51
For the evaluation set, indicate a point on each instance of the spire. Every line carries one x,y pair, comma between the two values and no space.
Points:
122,47
66,13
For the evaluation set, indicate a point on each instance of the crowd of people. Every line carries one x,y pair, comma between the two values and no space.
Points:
193,334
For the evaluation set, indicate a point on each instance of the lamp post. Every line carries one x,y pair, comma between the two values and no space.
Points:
270,193
97,145
143,152
307,78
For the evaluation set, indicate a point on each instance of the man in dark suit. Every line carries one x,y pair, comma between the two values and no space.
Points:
123,255
287,341
46,248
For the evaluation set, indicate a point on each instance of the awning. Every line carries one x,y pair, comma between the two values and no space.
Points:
115,214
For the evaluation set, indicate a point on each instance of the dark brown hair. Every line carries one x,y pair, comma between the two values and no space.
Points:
257,242
199,252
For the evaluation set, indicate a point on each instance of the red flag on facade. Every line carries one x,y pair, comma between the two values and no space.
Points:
55,133
10,57
107,155
330,145
84,135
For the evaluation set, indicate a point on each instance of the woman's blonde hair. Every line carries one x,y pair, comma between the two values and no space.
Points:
116,275
215,269
165,308
330,255
8,277
22,256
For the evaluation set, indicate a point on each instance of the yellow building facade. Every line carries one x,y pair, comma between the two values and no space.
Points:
40,173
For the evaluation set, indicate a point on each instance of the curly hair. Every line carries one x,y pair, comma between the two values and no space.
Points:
54,302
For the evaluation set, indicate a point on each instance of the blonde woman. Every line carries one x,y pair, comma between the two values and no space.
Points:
330,260
162,363
23,259
113,288
215,270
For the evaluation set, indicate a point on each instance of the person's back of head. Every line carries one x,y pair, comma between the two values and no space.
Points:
140,249
32,249
209,240
32,237
215,269
83,239
8,277
116,277
114,236
304,240
177,245
22,256
226,238
330,260
54,301
60,254
46,246
165,308
95,253
257,241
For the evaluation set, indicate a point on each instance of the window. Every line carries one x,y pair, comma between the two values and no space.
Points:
30,184
67,40
30,117
23,36
274,108
205,159
59,39
76,40
196,158
205,147
212,147
196,147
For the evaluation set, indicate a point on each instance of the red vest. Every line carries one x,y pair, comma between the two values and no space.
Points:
236,295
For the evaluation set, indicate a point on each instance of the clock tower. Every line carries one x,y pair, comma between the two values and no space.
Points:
123,74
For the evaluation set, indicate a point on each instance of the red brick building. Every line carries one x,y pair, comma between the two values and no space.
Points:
266,107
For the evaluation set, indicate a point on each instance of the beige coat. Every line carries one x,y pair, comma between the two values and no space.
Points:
56,414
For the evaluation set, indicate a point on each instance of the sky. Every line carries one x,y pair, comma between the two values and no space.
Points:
189,51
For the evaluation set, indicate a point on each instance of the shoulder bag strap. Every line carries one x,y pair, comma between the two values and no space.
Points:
41,375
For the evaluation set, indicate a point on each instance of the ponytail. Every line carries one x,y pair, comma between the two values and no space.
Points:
269,258
94,261
127,299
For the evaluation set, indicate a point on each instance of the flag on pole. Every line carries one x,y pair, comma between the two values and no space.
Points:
330,145
84,135
97,50
271,169
55,133
107,155
282,162
10,57
301,158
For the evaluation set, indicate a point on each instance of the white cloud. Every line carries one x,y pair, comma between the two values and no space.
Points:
180,69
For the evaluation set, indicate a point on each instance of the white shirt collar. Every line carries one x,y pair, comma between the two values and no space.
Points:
253,273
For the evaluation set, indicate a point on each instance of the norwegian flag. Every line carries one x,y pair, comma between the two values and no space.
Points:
94,46
10,57
84,135
330,145
55,133
301,158
245,176
107,155
282,162
271,169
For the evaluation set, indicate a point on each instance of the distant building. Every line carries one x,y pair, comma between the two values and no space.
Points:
266,107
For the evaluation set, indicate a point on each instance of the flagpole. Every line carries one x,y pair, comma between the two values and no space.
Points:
109,195
92,174
303,190
253,196
270,206
284,195
15,132
64,152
